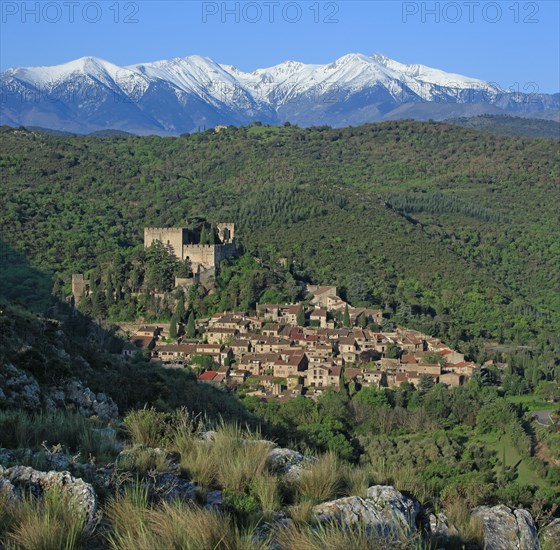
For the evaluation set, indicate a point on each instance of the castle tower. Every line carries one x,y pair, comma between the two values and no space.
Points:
226,232
172,237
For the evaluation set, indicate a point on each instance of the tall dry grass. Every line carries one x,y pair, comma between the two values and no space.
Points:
233,459
134,524
47,523
334,537
471,530
323,481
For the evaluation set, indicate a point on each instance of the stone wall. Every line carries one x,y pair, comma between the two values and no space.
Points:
208,256
174,237
226,232
80,287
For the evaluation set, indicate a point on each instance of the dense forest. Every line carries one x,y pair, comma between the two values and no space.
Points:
511,125
449,230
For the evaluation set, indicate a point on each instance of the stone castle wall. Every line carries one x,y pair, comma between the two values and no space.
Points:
226,232
174,237
208,256
80,287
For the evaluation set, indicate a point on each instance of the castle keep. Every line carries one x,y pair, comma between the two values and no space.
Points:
184,243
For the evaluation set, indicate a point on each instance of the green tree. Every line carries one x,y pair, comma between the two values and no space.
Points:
300,317
190,330
391,351
160,268
180,309
173,326
346,318
426,384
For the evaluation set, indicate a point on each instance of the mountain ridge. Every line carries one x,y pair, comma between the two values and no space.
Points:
183,94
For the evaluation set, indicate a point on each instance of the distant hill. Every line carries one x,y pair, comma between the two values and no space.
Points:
510,125
98,133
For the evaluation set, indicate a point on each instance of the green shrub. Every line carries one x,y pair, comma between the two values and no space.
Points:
148,427
143,459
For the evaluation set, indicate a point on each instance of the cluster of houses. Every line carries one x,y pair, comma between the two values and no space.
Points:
273,356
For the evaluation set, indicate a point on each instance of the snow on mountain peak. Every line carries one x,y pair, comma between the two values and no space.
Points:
267,87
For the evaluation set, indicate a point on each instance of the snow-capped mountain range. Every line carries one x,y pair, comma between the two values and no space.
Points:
189,93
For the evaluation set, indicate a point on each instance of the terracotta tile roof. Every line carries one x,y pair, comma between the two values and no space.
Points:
208,375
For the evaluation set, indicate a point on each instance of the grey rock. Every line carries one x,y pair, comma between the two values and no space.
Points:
58,461
90,404
214,500
6,456
25,479
7,490
438,526
388,496
62,354
386,512
169,487
289,463
507,529
50,405
31,395
57,395
550,534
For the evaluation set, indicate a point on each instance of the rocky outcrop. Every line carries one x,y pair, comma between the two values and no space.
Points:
168,487
385,512
85,400
214,500
439,528
507,529
290,464
22,480
21,390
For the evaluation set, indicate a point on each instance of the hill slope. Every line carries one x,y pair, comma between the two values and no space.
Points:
456,228
511,126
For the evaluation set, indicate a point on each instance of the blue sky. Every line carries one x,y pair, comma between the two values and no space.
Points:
511,43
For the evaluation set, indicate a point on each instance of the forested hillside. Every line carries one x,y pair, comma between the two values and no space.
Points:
511,125
449,230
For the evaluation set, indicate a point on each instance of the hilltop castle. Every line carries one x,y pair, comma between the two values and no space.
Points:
185,244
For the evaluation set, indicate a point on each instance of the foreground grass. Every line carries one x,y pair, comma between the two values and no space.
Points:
135,524
49,523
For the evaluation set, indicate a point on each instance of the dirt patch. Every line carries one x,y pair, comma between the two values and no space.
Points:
542,452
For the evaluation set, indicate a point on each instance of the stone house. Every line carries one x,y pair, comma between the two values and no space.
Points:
321,294
240,347
348,349
290,365
175,352
324,376
377,378
220,335
319,315
452,379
